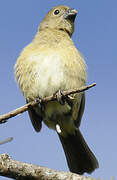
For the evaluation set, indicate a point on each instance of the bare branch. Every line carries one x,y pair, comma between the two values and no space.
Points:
6,140
4,117
23,171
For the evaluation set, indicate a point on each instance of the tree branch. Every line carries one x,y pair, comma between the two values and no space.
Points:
23,171
6,140
4,117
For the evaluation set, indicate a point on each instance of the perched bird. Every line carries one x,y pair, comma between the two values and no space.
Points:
52,63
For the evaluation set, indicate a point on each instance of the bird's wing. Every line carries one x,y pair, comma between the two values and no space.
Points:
35,119
80,112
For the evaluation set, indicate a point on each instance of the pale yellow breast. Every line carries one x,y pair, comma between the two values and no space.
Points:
42,70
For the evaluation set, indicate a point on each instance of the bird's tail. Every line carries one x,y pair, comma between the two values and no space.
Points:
79,157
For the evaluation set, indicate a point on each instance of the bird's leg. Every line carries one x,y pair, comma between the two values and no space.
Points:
61,98
69,99
40,104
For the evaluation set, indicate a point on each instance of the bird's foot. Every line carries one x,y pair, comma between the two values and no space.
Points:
60,97
40,104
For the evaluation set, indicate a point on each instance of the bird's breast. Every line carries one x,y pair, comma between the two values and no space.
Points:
42,72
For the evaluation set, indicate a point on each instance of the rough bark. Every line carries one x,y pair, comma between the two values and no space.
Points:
23,171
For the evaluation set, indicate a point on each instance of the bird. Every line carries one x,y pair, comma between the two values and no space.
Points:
51,63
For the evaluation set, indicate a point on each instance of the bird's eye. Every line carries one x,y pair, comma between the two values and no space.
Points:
56,12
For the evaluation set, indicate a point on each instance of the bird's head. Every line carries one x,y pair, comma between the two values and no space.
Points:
60,18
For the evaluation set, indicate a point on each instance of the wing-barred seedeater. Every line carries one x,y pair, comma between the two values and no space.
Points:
50,63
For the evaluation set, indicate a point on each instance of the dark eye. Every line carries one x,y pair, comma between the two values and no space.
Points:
56,12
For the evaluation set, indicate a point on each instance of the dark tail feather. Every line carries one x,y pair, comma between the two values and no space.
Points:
79,157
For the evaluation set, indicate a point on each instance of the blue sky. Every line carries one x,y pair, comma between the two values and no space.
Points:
96,38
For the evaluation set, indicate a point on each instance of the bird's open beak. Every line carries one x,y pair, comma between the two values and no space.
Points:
70,14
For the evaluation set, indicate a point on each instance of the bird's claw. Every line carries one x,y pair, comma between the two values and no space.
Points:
38,100
40,104
60,97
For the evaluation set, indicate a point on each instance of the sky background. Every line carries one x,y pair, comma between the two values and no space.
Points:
96,38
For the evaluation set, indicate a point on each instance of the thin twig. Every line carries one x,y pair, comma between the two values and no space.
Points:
6,140
4,117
